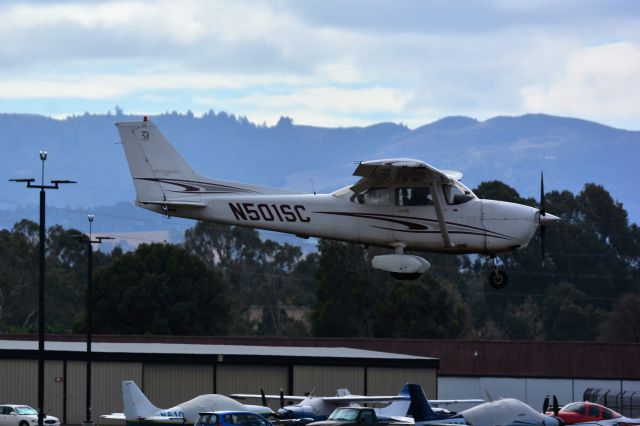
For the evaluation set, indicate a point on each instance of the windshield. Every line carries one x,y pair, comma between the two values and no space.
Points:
25,411
577,407
456,193
344,414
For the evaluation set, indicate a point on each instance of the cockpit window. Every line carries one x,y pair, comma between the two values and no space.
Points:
609,414
454,194
416,196
374,196
575,408
594,411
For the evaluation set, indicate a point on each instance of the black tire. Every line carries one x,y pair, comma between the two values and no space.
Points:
405,277
498,279
24,423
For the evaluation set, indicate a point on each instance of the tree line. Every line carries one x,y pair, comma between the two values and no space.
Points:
225,280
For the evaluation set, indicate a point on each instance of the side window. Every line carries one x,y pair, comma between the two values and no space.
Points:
416,196
606,413
253,420
374,197
594,411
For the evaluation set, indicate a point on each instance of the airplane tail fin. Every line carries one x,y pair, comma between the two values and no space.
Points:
398,408
161,175
420,408
136,404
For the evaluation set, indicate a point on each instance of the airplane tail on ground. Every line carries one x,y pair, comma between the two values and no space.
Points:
420,408
398,408
161,175
136,404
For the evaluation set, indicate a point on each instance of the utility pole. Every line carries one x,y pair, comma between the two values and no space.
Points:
55,184
89,241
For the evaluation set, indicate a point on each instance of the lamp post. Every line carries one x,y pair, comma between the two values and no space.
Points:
55,184
89,241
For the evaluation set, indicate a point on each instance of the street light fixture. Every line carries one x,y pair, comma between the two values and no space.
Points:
89,241
55,184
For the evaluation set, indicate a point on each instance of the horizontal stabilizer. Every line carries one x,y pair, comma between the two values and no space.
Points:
175,204
114,416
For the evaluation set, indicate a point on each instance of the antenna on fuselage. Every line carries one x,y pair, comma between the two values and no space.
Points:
313,187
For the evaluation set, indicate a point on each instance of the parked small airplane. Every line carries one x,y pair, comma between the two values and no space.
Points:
403,204
317,408
591,413
502,412
138,408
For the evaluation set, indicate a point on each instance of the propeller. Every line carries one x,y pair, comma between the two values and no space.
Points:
281,398
545,405
543,212
264,398
556,409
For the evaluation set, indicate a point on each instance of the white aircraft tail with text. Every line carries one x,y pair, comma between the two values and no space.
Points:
136,404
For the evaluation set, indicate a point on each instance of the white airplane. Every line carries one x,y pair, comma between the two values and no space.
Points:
403,204
320,407
502,412
138,408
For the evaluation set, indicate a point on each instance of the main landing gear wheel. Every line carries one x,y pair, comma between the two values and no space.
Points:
405,277
498,279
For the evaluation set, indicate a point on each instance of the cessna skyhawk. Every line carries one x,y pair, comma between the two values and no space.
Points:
402,204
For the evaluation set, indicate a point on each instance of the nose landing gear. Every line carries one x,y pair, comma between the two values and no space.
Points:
498,278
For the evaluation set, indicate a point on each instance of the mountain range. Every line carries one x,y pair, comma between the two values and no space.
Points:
86,148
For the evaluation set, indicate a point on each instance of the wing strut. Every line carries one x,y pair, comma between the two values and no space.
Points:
437,202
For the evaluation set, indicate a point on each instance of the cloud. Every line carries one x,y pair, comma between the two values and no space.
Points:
601,82
341,63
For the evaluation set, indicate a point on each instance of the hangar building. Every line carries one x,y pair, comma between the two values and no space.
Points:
170,373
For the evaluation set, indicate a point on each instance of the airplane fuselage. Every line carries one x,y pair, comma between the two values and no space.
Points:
477,226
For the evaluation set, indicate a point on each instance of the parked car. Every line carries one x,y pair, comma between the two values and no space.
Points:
231,418
352,416
23,415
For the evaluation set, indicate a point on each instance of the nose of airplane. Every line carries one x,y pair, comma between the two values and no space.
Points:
548,218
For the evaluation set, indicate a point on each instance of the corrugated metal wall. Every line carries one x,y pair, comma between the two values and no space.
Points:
169,384
53,387
325,381
250,379
19,384
106,389
389,381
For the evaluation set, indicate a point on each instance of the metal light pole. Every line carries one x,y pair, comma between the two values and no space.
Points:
54,185
89,241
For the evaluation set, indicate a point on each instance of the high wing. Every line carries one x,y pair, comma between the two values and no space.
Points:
348,399
352,399
258,396
399,170
445,402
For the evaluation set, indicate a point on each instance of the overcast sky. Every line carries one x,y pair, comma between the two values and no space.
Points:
328,63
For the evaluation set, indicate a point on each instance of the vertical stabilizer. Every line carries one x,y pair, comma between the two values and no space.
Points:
398,408
420,408
136,404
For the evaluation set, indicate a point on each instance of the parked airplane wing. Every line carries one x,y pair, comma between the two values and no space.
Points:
405,170
368,399
258,396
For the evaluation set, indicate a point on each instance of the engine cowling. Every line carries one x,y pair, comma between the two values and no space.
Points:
400,263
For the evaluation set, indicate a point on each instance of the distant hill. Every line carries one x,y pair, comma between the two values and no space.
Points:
511,149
